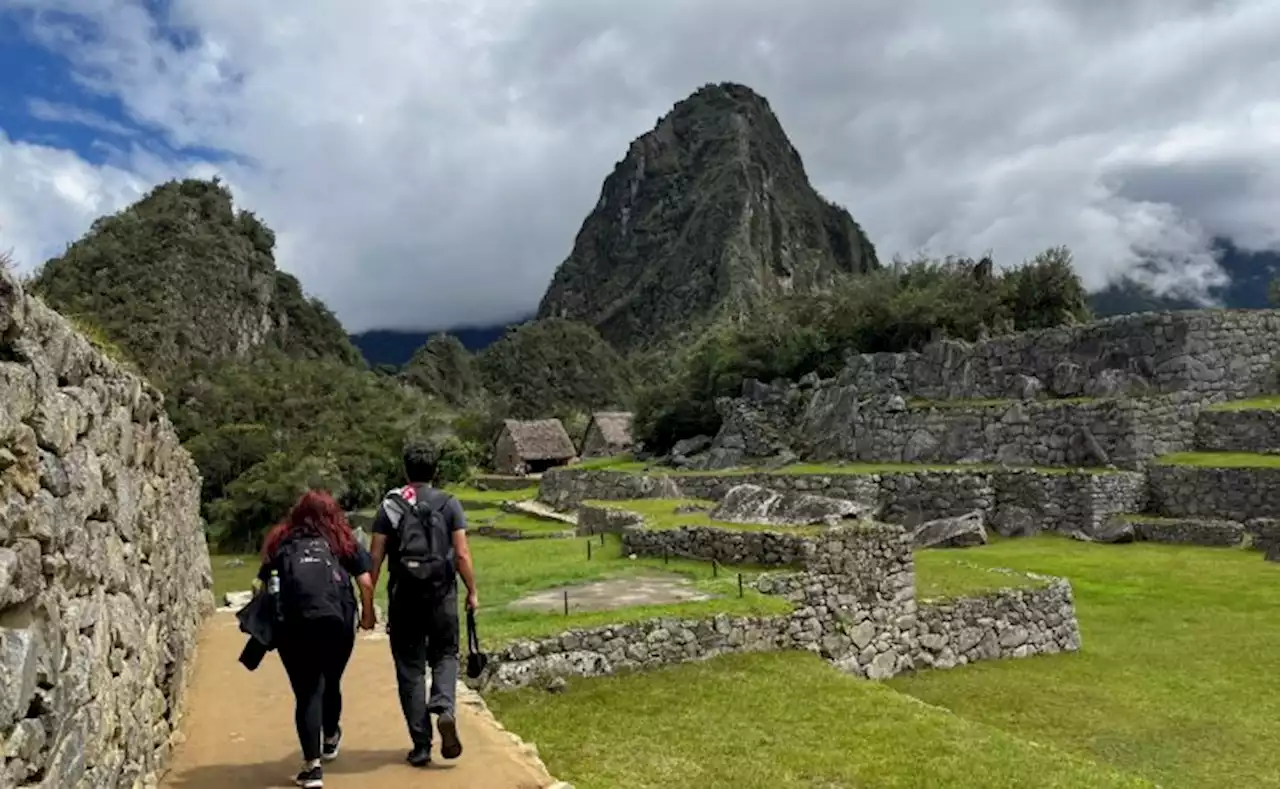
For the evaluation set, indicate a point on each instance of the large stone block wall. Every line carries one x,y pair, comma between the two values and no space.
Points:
104,572
1225,353
1235,494
830,420
1014,501
854,604
1238,431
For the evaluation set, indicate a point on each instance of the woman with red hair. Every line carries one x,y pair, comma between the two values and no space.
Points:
308,562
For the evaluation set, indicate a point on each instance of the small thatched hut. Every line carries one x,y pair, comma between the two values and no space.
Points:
608,434
532,447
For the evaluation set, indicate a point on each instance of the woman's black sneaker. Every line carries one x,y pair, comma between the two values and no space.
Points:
420,756
329,748
310,778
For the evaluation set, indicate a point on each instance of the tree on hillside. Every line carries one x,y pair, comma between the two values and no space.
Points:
248,422
444,369
554,366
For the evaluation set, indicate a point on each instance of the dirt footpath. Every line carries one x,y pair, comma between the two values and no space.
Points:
239,728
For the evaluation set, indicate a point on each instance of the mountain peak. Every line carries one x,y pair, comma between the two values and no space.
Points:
182,277
710,211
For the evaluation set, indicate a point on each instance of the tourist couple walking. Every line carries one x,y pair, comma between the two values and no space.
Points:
308,563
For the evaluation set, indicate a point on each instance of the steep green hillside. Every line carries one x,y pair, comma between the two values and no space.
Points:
181,276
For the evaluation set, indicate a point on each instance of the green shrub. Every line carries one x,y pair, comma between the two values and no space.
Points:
899,308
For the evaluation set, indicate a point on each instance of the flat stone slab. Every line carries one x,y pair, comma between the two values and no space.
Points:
613,593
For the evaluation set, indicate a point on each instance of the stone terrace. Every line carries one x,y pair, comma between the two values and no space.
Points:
854,598
1014,501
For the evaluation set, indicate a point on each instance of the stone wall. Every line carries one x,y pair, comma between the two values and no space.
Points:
829,420
1236,494
1011,623
104,573
1238,431
1216,353
1144,377
854,604
1212,532
1014,501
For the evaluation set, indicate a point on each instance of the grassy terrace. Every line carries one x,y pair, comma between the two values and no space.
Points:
942,575
1270,403
1220,460
836,469
661,514
774,721
1173,686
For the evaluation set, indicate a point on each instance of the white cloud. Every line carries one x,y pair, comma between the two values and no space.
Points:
428,163
54,112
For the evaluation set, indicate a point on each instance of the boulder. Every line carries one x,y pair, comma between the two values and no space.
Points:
690,446
961,531
1015,521
754,504
1115,529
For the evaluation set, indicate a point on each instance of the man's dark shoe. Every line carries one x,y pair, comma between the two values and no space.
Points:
310,777
420,756
330,747
450,745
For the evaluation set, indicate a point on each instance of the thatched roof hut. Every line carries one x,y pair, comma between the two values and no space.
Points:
532,446
608,434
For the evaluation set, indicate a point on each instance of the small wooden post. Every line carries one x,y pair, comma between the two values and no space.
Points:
566,602
666,555
739,585
588,550
715,569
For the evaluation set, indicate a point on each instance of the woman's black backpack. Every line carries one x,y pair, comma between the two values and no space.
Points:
313,586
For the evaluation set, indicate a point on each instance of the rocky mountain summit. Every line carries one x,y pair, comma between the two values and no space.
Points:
181,276
710,211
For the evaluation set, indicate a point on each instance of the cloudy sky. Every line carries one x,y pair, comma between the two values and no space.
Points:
427,162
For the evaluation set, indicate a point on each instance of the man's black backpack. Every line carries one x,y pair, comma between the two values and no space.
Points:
425,548
313,585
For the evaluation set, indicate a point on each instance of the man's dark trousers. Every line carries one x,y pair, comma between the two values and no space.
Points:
425,633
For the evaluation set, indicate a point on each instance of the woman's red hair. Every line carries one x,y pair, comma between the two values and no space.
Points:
316,513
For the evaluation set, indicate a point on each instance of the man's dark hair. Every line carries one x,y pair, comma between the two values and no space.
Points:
421,461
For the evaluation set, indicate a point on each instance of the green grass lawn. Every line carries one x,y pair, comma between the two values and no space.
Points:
232,573
507,570
1269,403
773,721
661,514
1175,681
1220,460
940,574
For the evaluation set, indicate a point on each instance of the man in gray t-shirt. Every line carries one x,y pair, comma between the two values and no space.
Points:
424,632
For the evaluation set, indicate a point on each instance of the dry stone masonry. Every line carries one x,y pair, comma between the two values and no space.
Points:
104,573
853,597
1116,392
1013,502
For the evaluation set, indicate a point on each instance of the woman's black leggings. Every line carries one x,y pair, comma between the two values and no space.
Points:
314,660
